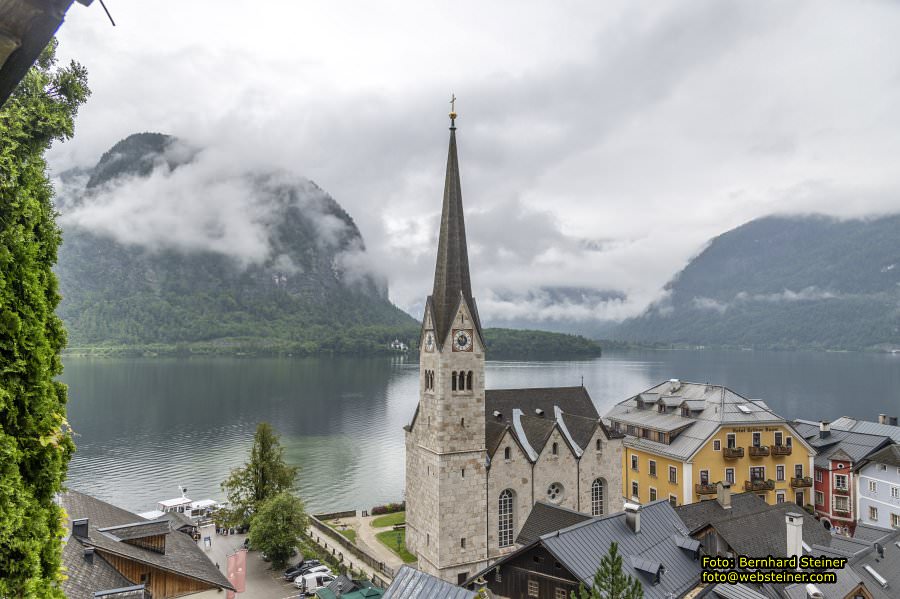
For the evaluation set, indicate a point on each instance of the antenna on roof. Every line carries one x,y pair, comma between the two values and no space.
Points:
582,380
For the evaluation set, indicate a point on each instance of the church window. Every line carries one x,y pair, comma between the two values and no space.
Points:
555,449
555,492
469,381
462,542
599,445
505,521
462,381
462,422
453,381
463,472
597,493
507,454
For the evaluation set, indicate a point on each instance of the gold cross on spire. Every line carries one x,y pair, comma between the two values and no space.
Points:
452,107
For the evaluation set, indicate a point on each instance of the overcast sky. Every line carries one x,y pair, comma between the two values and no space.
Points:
601,143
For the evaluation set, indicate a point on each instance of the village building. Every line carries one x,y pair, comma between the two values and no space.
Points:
682,438
111,552
410,583
878,488
652,541
836,499
477,460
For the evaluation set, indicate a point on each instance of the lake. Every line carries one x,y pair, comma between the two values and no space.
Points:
144,426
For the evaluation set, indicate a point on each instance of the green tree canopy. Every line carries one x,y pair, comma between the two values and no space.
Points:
263,477
610,582
35,445
277,527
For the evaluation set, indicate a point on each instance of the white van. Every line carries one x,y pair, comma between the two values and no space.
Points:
311,582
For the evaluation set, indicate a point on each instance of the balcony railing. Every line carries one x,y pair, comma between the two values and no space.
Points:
798,482
759,451
840,491
732,453
759,485
782,449
705,489
841,514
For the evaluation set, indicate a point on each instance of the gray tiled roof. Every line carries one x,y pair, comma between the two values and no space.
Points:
571,400
581,547
703,513
721,406
415,584
735,591
182,557
545,518
889,455
765,532
865,426
854,446
85,578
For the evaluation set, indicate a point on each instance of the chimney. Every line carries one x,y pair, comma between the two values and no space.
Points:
892,420
882,419
633,516
89,555
824,429
481,586
674,385
794,522
723,494
80,528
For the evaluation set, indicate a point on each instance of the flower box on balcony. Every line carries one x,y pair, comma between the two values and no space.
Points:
839,491
707,489
802,481
732,453
782,450
759,485
759,451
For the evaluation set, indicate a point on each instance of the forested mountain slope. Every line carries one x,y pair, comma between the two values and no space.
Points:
785,282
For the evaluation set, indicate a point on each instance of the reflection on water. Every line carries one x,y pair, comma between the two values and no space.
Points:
147,425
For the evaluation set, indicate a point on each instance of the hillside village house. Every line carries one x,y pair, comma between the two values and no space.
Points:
682,438
477,460
835,487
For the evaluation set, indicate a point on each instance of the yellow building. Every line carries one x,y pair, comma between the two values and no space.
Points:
682,438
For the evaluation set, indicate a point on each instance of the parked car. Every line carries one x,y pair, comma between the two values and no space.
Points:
313,581
302,567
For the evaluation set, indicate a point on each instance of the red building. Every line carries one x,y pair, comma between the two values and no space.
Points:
834,487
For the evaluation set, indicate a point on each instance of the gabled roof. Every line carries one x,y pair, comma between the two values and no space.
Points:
765,532
451,272
889,455
571,400
84,578
712,406
839,444
701,514
545,518
182,557
865,426
579,548
410,583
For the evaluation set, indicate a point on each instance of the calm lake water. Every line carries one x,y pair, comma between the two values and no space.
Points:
147,425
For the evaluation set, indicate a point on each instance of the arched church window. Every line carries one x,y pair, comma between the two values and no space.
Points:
505,519
453,381
462,380
599,445
555,449
469,381
597,492
507,453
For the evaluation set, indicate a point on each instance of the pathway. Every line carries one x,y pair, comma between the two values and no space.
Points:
365,539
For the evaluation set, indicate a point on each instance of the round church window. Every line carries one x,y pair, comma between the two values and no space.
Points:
555,492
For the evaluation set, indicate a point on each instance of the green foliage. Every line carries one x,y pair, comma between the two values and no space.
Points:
395,540
263,477
389,520
35,445
609,580
506,344
276,529
785,283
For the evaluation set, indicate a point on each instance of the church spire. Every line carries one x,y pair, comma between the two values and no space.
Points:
451,273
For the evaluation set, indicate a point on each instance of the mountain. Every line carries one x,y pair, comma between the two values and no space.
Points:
165,246
785,282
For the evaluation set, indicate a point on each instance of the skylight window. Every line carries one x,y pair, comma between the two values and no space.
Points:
743,408
881,580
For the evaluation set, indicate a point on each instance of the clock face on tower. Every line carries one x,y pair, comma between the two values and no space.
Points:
429,341
462,340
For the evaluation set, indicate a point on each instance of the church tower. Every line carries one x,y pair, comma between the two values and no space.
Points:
446,458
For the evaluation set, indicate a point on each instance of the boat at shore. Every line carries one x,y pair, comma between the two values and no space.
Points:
199,512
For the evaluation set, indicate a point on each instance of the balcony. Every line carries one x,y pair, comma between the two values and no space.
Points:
707,489
759,451
759,485
800,482
841,514
782,449
838,491
733,453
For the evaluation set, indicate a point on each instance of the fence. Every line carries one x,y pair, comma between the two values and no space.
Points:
333,515
344,542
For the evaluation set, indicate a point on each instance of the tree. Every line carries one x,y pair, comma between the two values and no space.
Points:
610,582
35,444
277,527
262,478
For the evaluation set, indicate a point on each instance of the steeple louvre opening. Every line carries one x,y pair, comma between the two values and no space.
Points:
451,272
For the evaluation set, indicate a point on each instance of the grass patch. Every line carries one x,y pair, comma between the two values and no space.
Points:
394,538
350,534
389,520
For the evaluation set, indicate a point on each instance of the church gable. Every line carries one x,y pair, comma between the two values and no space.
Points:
464,319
